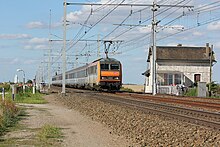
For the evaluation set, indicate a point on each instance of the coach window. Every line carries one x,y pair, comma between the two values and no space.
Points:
104,66
114,67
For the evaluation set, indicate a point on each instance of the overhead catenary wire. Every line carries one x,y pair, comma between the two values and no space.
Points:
73,42
174,20
96,24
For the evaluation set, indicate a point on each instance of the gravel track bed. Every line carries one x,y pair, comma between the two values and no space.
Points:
142,129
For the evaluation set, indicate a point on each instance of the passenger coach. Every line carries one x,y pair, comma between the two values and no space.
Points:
104,73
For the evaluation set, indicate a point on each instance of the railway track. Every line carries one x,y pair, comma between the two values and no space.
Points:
198,117
193,103
192,116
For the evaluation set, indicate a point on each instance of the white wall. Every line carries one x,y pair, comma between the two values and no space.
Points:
188,70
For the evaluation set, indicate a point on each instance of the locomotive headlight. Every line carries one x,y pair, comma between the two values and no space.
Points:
116,78
104,78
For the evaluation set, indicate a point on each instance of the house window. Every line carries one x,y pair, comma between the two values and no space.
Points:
172,79
168,79
177,79
197,78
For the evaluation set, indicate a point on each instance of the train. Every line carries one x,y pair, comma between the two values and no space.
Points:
101,74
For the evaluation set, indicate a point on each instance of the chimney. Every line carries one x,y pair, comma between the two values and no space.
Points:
207,49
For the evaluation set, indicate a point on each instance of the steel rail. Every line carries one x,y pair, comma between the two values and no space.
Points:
192,116
175,100
183,114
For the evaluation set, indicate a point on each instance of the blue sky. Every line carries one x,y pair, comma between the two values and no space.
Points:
24,33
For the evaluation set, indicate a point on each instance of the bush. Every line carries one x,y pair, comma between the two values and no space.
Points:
126,89
191,92
8,115
49,131
5,86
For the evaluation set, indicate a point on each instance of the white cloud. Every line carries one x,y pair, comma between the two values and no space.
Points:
8,61
214,26
146,29
36,25
74,16
28,47
196,33
42,47
18,61
42,25
217,45
14,36
36,47
31,62
36,43
38,40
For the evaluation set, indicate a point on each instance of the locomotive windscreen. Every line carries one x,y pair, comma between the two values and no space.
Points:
110,67
114,66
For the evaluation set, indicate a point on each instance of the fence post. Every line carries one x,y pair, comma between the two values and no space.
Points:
3,94
34,91
13,92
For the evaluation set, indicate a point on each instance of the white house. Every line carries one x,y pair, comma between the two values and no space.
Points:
177,65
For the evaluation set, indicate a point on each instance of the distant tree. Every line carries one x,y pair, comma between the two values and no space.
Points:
214,87
29,81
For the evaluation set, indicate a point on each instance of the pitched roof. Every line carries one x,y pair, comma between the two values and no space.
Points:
182,53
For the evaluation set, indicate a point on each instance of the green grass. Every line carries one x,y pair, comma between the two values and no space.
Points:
30,98
49,131
126,89
9,115
191,92
48,136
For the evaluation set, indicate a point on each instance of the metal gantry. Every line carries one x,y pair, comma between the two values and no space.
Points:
154,6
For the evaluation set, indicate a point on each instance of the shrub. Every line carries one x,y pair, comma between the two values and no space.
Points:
191,92
5,86
126,89
49,131
8,113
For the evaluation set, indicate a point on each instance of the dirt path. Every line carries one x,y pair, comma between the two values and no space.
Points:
78,130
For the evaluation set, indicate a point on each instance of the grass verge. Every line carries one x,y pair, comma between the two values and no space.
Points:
191,92
49,131
8,115
30,98
126,89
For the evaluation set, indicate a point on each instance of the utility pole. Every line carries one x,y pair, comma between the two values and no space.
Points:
64,50
210,78
154,48
49,53
154,27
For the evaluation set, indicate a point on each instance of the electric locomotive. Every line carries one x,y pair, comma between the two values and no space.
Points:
104,73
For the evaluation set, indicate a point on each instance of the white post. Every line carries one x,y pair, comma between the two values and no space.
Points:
3,94
154,25
34,86
13,92
49,60
34,89
64,51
